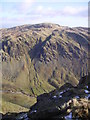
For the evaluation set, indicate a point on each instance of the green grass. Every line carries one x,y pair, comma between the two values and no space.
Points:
19,99
11,107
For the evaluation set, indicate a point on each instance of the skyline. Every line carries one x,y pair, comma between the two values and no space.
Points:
68,13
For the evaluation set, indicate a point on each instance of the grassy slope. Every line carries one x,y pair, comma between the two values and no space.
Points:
11,107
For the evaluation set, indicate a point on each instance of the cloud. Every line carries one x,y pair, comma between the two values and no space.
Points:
48,1
29,11
40,8
65,11
69,10
41,11
25,5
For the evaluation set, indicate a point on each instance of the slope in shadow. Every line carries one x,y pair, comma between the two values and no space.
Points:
38,48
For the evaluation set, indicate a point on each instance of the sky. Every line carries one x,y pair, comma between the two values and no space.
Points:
64,12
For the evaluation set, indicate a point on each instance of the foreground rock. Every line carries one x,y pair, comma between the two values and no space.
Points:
73,109
65,103
15,116
68,102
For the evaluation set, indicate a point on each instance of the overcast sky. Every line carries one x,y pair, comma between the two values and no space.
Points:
64,12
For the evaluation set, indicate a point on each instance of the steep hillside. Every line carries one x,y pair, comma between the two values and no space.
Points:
39,58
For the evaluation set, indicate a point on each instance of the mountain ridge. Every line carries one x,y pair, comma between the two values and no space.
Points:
36,59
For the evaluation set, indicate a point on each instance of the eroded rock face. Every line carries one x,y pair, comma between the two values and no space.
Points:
81,108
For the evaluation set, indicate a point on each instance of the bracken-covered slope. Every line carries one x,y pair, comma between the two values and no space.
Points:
39,58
